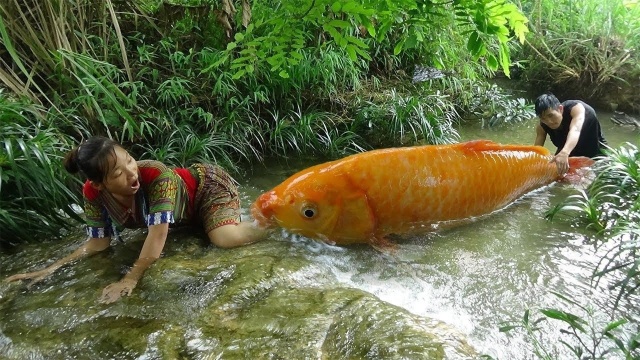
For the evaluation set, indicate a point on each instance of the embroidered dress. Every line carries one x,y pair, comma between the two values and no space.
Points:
217,199
202,193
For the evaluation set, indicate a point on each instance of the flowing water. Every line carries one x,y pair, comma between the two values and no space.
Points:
440,295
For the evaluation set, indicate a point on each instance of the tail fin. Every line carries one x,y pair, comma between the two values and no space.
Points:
579,162
578,170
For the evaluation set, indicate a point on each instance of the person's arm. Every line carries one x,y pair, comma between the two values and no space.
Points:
541,136
575,127
90,247
151,250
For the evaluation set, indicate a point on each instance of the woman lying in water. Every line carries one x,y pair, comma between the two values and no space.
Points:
121,192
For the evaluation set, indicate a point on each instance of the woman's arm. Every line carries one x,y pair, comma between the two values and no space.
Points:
151,250
90,247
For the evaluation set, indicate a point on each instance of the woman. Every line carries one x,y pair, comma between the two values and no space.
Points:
121,192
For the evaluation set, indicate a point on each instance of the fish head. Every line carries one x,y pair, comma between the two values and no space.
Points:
316,205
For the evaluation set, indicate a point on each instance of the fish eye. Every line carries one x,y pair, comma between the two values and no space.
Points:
309,212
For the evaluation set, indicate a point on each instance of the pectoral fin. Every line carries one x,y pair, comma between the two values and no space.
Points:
356,223
383,245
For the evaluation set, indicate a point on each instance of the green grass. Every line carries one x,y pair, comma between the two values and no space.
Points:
584,49
35,195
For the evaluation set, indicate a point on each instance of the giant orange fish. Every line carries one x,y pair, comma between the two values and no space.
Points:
365,197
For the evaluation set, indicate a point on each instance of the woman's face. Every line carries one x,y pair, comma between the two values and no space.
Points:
122,176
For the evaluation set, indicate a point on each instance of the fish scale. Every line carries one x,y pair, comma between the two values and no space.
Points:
367,196
453,185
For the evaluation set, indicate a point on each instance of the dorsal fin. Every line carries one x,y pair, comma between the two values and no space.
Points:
488,145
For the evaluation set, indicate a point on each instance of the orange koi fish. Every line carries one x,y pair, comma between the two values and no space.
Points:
365,197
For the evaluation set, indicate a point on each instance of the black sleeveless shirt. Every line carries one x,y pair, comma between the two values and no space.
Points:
591,141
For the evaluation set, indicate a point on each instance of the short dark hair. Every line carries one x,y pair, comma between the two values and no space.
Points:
546,101
92,157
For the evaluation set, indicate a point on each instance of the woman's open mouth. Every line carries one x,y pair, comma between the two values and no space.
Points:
135,186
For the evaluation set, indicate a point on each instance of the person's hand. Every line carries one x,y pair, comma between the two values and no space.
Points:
35,276
117,290
562,162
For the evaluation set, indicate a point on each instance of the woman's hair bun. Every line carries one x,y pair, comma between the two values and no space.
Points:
70,161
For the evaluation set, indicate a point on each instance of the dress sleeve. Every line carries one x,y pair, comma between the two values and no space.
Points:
162,193
97,219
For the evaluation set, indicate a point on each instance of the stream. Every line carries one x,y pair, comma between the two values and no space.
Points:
441,295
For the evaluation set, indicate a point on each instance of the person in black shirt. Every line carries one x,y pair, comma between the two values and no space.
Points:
572,126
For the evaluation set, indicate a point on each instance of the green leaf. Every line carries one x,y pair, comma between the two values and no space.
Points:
368,25
336,6
573,320
284,74
220,61
352,8
363,53
230,46
357,42
508,328
554,314
492,62
238,74
474,42
352,52
239,36
504,59
398,48
411,42
296,55
383,29
614,325
333,32
339,23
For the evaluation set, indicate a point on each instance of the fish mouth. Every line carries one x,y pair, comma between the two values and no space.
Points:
262,209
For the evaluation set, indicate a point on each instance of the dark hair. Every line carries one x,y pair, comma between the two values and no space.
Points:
546,101
92,158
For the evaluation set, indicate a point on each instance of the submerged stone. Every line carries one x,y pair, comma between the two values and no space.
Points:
267,300
623,119
344,323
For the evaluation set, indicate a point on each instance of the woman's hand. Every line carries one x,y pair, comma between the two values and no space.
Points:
93,246
117,290
35,276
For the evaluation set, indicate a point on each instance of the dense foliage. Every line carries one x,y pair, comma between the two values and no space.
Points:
235,82
30,178
585,49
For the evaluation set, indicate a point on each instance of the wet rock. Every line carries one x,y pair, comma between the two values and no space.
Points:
344,323
622,119
422,73
369,328
264,301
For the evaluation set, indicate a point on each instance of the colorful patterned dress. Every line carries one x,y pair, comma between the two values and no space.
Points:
203,194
